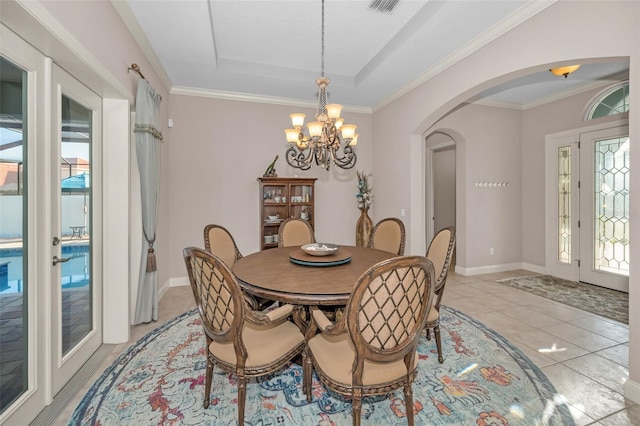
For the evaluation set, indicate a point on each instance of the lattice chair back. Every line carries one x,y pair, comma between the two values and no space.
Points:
219,241
387,310
388,235
295,232
218,298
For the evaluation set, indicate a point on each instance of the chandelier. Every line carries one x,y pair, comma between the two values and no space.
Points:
323,144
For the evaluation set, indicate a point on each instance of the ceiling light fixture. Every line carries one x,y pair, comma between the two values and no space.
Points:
323,143
564,70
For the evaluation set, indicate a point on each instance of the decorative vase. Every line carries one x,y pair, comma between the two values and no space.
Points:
363,228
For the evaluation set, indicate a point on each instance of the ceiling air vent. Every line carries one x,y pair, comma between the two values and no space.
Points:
385,6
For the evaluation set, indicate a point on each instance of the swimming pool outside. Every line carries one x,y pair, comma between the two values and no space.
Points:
75,272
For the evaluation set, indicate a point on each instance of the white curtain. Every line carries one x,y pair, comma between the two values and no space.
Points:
148,137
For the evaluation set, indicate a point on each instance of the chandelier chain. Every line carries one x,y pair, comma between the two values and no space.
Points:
322,44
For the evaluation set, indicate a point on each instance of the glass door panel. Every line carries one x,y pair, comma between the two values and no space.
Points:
76,291
611,233
14,285
604,208
75,209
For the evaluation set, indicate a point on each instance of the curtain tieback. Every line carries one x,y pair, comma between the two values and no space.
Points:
151,259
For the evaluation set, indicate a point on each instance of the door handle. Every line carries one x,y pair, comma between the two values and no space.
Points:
57,260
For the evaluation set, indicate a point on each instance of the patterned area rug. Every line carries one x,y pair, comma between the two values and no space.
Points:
591,298
484,381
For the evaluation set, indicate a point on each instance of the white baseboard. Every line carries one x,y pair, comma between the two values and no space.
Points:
632,391
178,282
500,268
163,289
534,268
172,282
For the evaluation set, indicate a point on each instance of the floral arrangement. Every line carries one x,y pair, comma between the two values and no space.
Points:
364,195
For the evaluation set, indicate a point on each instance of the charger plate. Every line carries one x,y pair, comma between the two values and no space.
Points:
340,257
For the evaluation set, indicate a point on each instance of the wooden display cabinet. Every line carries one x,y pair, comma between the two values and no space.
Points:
282,198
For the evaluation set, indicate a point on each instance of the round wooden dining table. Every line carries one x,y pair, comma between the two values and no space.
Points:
288,275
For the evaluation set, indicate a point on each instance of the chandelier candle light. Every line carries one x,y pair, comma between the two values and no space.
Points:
323,143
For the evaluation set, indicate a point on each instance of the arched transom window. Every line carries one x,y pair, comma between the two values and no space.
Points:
613,101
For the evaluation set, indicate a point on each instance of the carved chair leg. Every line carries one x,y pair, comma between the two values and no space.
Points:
242,396
408,403
207,382
307,375
356,406
436,331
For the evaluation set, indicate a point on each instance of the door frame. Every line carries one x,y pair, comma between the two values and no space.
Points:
552,141
429,199
38,70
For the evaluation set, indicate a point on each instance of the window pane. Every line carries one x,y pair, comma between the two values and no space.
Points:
13,253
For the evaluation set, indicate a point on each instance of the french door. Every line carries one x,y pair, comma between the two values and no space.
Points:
50,284
587,205
76,287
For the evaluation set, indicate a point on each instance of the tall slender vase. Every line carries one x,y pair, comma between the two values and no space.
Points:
363,228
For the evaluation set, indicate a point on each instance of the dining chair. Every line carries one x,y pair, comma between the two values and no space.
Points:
219,241
295,232
239,340
388,235
371,349
439,252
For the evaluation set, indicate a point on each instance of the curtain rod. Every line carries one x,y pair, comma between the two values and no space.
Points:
136,68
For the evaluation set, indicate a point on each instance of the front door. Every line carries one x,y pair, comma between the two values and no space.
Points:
604,208
587,205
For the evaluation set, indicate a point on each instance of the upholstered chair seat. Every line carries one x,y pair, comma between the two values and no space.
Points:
334,356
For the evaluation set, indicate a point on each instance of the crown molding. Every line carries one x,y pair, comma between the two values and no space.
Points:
125,12
245,97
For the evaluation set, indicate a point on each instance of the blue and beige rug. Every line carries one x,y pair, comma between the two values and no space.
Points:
484,381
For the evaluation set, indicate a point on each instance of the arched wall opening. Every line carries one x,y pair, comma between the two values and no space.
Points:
435,141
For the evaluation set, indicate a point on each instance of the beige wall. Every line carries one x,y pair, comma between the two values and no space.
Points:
217,150
491,152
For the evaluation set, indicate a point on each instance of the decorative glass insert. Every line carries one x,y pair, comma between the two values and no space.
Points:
564,204
614,101
611,232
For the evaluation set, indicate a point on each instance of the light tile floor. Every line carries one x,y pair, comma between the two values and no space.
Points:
585,356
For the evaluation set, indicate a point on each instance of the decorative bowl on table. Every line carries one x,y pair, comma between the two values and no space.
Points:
319,249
